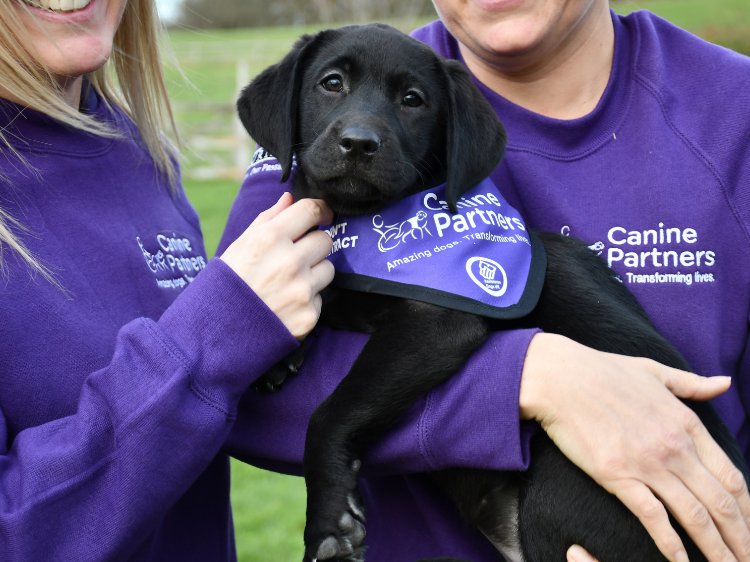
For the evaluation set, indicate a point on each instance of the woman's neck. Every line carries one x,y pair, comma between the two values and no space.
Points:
71,90
71,87
564,82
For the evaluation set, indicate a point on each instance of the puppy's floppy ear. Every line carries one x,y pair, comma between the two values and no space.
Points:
267,107
475,137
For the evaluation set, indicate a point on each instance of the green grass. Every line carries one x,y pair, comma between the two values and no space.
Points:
694,15
725,22
269,508
269,514
212,200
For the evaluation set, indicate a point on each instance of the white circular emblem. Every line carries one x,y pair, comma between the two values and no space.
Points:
490,275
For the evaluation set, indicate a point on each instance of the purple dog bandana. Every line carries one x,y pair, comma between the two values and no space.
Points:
481,260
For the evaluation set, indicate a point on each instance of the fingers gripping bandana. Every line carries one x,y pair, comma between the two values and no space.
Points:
482,260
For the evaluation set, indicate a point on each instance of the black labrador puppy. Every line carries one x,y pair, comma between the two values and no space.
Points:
373,116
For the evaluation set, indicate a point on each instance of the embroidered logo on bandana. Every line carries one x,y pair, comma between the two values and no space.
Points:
481,260
488,269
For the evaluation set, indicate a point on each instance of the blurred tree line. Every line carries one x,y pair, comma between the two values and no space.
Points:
205,14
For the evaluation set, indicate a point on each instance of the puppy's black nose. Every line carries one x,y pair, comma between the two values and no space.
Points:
359,143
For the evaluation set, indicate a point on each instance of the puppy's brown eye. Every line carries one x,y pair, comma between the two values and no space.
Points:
412,100
333,84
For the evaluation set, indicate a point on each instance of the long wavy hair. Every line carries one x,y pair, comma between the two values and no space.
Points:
132,79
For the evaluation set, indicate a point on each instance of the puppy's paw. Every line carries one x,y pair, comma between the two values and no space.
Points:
344,544
274,378
340,548
335,530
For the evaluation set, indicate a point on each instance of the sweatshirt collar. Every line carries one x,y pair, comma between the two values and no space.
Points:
28,130
565,139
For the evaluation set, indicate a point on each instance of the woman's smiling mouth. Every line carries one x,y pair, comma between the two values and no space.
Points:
59,5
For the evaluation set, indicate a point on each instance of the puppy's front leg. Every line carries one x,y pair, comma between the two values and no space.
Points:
422,346
342,309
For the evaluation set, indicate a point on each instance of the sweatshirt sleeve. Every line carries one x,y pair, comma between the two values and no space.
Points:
145,428
471,420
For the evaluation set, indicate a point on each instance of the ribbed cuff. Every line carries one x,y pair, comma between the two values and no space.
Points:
472,420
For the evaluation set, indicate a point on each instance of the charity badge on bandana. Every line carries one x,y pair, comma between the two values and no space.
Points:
482,260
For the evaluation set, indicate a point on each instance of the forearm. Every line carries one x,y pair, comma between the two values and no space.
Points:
472,420
146,426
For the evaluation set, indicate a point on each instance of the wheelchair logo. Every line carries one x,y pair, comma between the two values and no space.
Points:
488,275
156,261
391,236
598,248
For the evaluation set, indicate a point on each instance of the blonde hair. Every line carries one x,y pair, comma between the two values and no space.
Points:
132,79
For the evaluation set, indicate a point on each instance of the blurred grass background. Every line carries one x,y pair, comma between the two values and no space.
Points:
269,508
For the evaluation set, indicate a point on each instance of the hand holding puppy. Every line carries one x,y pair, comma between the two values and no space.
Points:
617,418
286,268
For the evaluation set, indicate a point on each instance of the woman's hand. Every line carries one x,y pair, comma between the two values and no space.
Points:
617,418
286,268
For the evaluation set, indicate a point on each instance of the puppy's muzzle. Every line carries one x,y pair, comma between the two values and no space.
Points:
359,144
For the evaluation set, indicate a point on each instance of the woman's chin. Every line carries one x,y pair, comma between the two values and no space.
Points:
74,43
78,56
511,40
511,31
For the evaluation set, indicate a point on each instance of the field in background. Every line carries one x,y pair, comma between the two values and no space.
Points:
269,508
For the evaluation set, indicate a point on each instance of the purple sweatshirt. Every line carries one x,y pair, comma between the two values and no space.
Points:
656,179
119,389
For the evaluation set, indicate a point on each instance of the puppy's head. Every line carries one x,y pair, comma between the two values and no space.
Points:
372,116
